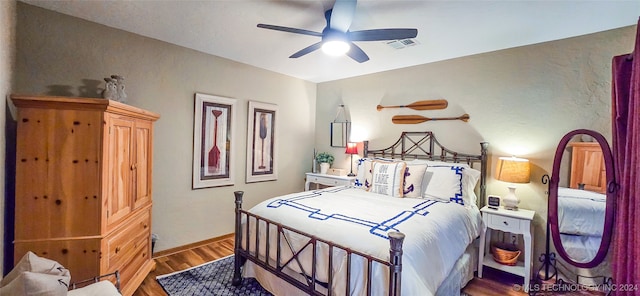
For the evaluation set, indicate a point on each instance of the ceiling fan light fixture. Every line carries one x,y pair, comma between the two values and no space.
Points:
338,39
335,47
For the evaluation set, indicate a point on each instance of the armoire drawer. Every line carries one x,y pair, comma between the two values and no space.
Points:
132,266
125,243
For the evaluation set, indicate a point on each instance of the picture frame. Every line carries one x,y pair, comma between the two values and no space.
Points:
262,142
213,141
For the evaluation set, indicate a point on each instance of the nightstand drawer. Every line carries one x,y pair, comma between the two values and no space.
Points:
315,179
504,223
327,180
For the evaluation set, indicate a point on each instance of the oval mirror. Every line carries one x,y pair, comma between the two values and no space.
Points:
581,198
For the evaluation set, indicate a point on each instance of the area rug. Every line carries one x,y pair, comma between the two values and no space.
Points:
211,278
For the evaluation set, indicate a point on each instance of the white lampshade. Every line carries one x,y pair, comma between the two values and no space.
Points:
513,170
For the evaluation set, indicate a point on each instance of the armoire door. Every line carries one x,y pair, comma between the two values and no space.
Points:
143,160
120,165
587,167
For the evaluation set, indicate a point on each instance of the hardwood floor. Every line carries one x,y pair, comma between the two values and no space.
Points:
491,284
183,260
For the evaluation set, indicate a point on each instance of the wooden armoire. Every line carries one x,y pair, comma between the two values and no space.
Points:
83,185
587,167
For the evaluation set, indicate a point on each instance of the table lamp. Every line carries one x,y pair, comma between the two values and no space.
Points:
512,170
352,148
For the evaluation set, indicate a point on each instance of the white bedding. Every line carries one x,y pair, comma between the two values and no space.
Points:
437,233
581,212
579,247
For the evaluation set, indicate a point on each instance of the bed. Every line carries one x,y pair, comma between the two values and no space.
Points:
406,226
581,219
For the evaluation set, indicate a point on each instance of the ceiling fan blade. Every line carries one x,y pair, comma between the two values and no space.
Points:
357,53
290,30
306,50
342,15
382,34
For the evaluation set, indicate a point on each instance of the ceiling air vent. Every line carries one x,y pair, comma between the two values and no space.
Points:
400,44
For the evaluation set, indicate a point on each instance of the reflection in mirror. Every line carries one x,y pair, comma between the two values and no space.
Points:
340,133
581,199
580,204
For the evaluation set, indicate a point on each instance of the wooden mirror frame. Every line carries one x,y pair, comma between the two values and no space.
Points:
552,217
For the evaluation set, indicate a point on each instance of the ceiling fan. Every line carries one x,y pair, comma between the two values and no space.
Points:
336,34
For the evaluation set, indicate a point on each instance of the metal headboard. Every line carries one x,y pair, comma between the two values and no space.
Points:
424,145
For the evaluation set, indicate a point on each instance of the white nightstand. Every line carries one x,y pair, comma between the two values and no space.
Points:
329,180
518,222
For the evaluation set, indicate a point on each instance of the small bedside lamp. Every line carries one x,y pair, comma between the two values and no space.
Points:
512,170
352,148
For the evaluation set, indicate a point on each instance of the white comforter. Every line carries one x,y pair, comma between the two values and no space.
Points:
581,212
580,248
437,233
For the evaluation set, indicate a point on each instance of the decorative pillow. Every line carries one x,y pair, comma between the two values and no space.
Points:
469,181
470,177
444,183
40,284
31,262
413,175
364,175
387,178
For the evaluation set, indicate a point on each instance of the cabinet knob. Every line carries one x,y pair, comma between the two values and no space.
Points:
505,223
117,250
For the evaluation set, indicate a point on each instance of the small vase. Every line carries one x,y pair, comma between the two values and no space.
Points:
324,167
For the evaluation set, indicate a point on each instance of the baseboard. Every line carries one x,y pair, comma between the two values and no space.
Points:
190,246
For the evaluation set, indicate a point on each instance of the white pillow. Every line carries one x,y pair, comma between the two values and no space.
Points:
413,177
470,177
31,262
388,178
29,283
363,175
469,181
444,183
101,288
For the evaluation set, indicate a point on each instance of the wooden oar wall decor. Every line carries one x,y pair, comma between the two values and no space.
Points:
420,105
414,119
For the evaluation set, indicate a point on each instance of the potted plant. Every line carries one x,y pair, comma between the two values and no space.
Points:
325,159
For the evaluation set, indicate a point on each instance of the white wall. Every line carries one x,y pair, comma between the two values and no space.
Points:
521,100
60,55
7,53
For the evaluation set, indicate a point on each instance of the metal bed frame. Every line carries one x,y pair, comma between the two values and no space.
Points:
410,145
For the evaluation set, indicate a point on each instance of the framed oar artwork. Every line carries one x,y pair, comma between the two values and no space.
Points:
213,141
262,142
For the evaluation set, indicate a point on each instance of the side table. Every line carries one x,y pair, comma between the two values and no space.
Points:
328,180
517,222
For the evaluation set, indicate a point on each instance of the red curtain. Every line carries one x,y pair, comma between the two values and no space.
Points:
626,153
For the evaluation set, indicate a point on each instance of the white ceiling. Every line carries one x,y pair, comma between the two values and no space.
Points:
446,29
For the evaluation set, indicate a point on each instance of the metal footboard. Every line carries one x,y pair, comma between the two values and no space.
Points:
310,283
